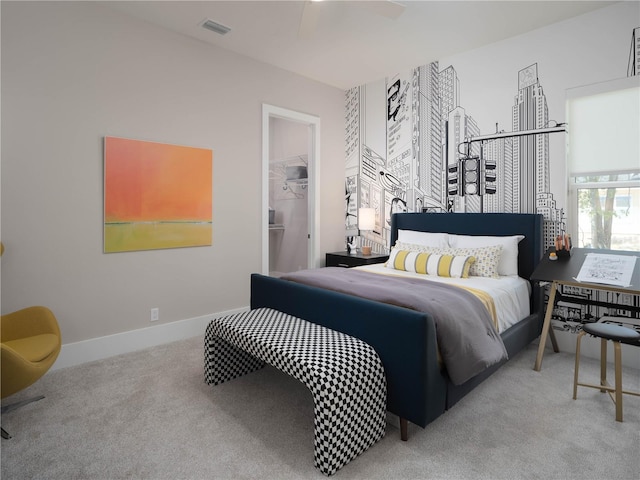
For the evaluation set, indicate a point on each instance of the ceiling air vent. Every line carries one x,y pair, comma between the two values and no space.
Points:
215,27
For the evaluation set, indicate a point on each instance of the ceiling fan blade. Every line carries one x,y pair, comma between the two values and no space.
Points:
388,8
309,19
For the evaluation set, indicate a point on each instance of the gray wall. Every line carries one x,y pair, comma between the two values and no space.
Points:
74,72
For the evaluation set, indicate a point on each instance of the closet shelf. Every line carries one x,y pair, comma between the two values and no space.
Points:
276,226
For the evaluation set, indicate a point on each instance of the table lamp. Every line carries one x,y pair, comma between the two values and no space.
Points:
366,222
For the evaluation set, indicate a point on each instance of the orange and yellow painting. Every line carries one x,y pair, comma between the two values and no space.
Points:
156,195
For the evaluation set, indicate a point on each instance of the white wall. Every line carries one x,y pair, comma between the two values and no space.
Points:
74,72
590,48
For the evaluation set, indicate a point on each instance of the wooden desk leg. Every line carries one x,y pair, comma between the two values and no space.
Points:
545,327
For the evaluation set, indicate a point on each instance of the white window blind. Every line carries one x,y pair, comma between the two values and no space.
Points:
603,123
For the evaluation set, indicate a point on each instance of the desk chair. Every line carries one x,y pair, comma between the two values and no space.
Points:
617,334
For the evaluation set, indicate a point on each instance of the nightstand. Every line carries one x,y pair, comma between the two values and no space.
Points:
345,259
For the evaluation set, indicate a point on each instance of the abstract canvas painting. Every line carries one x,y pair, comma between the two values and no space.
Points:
156,195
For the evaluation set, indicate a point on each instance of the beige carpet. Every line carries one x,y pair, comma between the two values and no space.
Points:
149,415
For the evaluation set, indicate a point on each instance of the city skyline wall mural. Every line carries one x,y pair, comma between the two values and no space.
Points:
405,134
424,130
406,131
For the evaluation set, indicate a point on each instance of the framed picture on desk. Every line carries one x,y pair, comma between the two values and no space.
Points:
571,303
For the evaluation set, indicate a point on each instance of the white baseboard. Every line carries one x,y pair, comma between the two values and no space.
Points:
134,340
110,345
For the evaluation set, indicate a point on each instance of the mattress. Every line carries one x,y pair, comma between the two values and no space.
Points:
510,294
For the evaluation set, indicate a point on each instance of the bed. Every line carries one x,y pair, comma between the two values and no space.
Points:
419,387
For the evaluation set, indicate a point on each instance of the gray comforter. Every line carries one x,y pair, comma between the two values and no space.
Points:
467,339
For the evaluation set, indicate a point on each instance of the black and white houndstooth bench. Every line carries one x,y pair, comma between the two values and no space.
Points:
344,374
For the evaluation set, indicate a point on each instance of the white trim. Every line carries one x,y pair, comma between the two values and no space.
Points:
313,123
314,259
607,184
265,188
134,340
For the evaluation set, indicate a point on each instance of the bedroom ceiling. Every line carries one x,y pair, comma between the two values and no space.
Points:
350,43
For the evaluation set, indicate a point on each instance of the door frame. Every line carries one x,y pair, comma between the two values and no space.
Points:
313,169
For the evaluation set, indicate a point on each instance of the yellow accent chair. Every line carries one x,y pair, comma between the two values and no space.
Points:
31,341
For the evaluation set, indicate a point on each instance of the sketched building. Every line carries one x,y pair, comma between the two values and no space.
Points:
554,224
473,203
449,91
450,125
430,178
462,125
352,153
530,152
500,151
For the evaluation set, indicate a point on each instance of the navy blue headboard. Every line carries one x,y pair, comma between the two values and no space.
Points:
531,248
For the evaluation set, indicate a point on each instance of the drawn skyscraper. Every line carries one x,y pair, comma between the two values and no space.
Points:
460,127
530,152
449,101
449,91
554,223
500,151
473,203
431,179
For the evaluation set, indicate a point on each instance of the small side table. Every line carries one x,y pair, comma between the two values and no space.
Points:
563,272
346,259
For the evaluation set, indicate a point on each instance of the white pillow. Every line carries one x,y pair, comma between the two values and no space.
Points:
427,239
487,259
508,264
414,247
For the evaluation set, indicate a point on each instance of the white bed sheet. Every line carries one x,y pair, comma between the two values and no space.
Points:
510,293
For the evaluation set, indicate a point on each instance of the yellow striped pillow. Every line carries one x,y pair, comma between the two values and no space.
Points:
441,265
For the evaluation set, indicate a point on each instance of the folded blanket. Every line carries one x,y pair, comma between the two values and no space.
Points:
467,338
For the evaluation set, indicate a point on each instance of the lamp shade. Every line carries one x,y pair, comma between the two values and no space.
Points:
366,218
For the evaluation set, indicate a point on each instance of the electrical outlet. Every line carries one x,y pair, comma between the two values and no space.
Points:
155,314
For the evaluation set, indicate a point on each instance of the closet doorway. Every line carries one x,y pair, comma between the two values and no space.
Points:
290,152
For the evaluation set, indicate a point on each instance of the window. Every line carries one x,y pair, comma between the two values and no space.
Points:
608,208
604,164
623,203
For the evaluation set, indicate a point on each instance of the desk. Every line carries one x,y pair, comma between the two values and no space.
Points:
563,272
